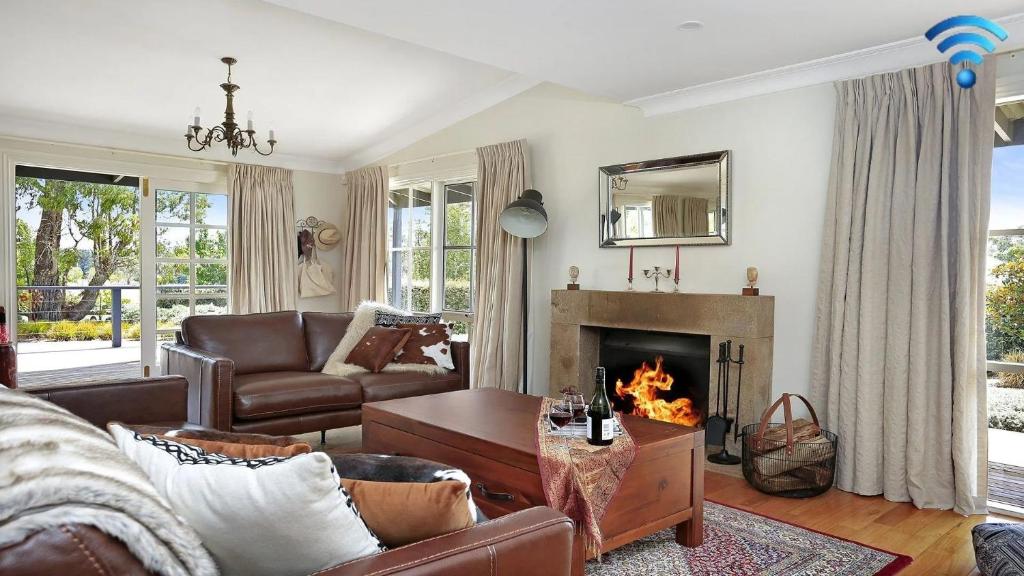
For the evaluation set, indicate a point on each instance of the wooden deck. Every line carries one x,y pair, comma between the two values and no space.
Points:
1006,484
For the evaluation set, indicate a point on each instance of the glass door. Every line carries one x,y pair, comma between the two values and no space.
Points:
185,271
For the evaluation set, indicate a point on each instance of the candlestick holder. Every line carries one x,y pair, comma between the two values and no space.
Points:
657,274
629,285
675,287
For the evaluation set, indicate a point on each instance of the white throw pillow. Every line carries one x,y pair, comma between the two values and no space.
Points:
268,516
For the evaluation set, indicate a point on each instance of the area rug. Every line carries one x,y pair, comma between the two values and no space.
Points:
738,543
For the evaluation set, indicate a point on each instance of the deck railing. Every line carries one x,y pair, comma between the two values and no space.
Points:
45,293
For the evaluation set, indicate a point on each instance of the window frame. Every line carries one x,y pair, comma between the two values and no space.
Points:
191,296
438,248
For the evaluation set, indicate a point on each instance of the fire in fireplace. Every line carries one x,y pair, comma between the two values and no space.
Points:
658,375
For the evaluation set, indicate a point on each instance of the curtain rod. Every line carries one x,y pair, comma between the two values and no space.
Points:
431,158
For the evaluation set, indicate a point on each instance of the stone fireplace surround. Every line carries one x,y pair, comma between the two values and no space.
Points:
577,317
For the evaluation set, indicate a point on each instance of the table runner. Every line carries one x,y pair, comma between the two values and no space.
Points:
581,481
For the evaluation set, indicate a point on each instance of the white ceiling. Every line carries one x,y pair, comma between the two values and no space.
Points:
133,70
629,50
346,82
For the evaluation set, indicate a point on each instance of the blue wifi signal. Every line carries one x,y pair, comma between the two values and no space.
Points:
966,77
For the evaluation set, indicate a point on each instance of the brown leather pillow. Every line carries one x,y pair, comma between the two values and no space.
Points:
246,451
428,344
378,347
401,513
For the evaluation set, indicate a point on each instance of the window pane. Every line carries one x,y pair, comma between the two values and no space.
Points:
172,207
171,242
457,273
421,280
1007,211
211,306
172,278
170,313
460,331
422,220
399,215
211,244
1004,297
211,278
398,279
212,209
458,215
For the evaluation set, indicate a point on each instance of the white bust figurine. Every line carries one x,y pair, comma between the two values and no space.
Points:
574,274
752,276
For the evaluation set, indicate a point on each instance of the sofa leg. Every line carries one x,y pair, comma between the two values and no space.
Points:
323,437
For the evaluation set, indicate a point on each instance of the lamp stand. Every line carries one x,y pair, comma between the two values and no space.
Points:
526,315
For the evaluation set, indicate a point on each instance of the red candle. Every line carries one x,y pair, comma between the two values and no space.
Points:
677,264
630,264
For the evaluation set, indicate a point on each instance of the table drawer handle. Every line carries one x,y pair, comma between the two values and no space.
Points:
504,496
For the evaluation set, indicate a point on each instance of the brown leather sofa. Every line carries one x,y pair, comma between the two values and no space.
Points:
533,541
261,373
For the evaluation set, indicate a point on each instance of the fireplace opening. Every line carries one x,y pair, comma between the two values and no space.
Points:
658,375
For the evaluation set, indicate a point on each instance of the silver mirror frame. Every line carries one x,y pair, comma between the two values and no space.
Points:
724,236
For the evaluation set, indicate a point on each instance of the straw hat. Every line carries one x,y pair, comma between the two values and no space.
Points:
327,236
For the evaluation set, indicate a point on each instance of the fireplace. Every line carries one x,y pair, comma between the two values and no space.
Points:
658,375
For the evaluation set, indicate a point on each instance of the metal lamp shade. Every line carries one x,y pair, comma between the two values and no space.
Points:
525,217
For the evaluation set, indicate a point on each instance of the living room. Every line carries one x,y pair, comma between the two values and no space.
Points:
585,288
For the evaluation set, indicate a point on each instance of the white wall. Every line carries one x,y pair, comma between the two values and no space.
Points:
781,146
321,195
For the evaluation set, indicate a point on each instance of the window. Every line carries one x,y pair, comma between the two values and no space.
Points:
191,257
431,237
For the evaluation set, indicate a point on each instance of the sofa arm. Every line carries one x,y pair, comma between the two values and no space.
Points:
159,401
460,357
210,383
534,541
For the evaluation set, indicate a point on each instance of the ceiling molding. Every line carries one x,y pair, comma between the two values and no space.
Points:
879,59
420,129
63,133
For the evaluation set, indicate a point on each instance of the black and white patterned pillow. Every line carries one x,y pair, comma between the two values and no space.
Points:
295,508
999,549
391,320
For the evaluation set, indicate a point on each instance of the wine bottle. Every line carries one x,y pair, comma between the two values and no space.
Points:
600,424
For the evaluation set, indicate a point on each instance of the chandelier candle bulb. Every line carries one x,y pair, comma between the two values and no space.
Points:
271,139
249,116
195,117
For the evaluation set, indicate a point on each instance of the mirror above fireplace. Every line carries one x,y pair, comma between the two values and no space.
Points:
683,200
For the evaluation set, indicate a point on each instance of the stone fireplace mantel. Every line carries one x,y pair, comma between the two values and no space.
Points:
577,317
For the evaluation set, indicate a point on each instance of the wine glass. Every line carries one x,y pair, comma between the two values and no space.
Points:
560,414
578,406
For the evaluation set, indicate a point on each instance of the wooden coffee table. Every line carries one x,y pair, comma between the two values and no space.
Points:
491,435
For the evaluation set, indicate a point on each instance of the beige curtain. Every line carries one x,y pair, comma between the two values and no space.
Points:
263,249
679,216
899,356
364,237
503,174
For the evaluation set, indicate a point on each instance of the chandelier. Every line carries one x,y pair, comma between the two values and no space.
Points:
228,131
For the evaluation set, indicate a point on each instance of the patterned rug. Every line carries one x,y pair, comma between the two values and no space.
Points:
738,543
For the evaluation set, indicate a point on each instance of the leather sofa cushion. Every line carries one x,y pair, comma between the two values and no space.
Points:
273,394
390,385
323,332
255,342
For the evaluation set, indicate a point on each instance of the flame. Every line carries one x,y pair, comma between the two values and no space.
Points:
644,388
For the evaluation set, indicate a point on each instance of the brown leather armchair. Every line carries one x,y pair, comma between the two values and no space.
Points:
261,373
534,541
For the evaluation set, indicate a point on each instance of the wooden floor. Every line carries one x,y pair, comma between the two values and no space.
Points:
938,541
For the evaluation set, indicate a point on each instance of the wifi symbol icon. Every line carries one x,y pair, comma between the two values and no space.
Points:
966,77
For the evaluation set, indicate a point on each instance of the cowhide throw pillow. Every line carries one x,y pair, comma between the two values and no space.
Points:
427,344
391,319
378,347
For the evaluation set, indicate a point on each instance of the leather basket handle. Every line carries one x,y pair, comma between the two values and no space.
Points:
787,406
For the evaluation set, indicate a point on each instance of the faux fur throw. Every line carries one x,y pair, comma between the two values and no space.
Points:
59,469
364,318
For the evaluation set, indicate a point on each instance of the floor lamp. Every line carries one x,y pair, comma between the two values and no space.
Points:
525,218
